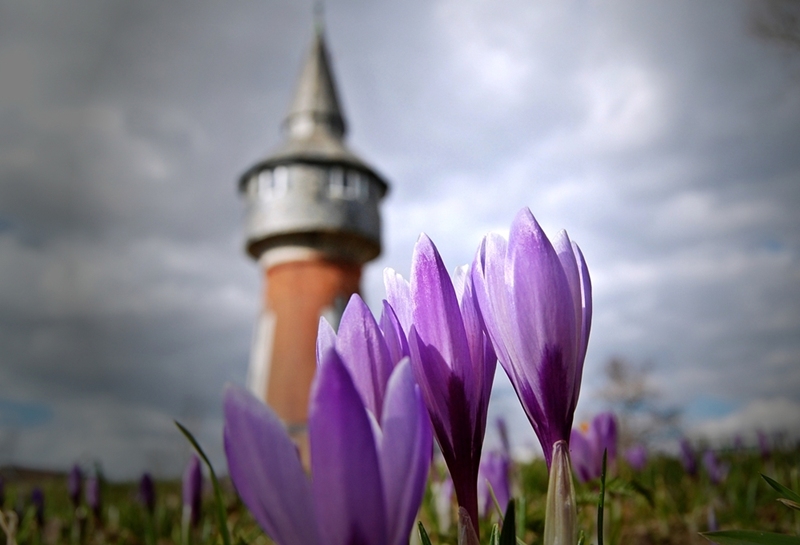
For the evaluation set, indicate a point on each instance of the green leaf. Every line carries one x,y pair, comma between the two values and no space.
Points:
644,491
494,539
221,515
750,537
507,534
423,535
601,502
581,538
787,492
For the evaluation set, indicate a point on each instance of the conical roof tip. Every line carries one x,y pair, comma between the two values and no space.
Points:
316,101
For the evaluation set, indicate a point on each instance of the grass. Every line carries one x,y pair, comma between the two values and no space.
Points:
660,505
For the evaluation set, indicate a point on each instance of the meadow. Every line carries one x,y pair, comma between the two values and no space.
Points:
661,504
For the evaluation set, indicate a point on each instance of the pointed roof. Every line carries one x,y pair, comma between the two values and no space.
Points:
315,98
314,125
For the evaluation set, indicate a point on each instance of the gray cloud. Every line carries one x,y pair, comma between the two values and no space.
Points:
662,136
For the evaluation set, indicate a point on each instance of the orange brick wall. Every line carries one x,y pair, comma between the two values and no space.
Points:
297,293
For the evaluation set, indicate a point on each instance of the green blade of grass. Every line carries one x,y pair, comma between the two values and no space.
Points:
423,535
223,519
787,492
508,533
750,537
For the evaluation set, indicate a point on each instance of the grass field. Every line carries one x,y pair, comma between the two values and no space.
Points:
662,504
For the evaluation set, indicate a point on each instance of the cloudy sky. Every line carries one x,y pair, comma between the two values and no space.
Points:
664,136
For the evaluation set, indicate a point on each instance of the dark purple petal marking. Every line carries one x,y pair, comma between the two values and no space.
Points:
348,493
266,471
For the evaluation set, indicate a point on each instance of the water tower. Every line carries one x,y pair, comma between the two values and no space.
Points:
313,221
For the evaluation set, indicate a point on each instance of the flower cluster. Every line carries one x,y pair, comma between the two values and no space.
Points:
384,388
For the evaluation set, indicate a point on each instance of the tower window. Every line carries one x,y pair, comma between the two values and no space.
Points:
336,183
280,180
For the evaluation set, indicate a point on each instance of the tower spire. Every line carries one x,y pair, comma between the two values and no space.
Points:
315,105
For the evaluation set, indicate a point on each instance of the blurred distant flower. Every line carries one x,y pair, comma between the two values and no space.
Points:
586,448
147,492
536,301
763,444
37,500
494,472
452,358
367,481
688,457
75,485
93,495
636,456
192,491
716,470
502,430
712,519
738,443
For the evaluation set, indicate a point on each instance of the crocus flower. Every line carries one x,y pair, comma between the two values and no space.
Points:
147,492
368,350
93,496
688,457
452,358
368,480
636,456
536,301
716,470
192,491
763,444
37,500
494,472
75,484
586,448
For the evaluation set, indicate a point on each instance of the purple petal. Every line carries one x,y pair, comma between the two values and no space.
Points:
436,313
363,351
396,340
398,293
406,451
583,455
604,433
544,316
585,324
326,338
266,471
348,494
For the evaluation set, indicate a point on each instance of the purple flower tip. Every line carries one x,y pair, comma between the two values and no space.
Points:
75,484
93,495
193,489
147,492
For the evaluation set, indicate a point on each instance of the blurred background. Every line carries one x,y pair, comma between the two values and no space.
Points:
665,137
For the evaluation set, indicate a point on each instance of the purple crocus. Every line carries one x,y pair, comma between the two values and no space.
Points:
536,301
192,491
716,470
636,456
494,472
688,457
75,485
763,445
452,358
368,350
93,496
37,500
368,480
147,492
587,447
